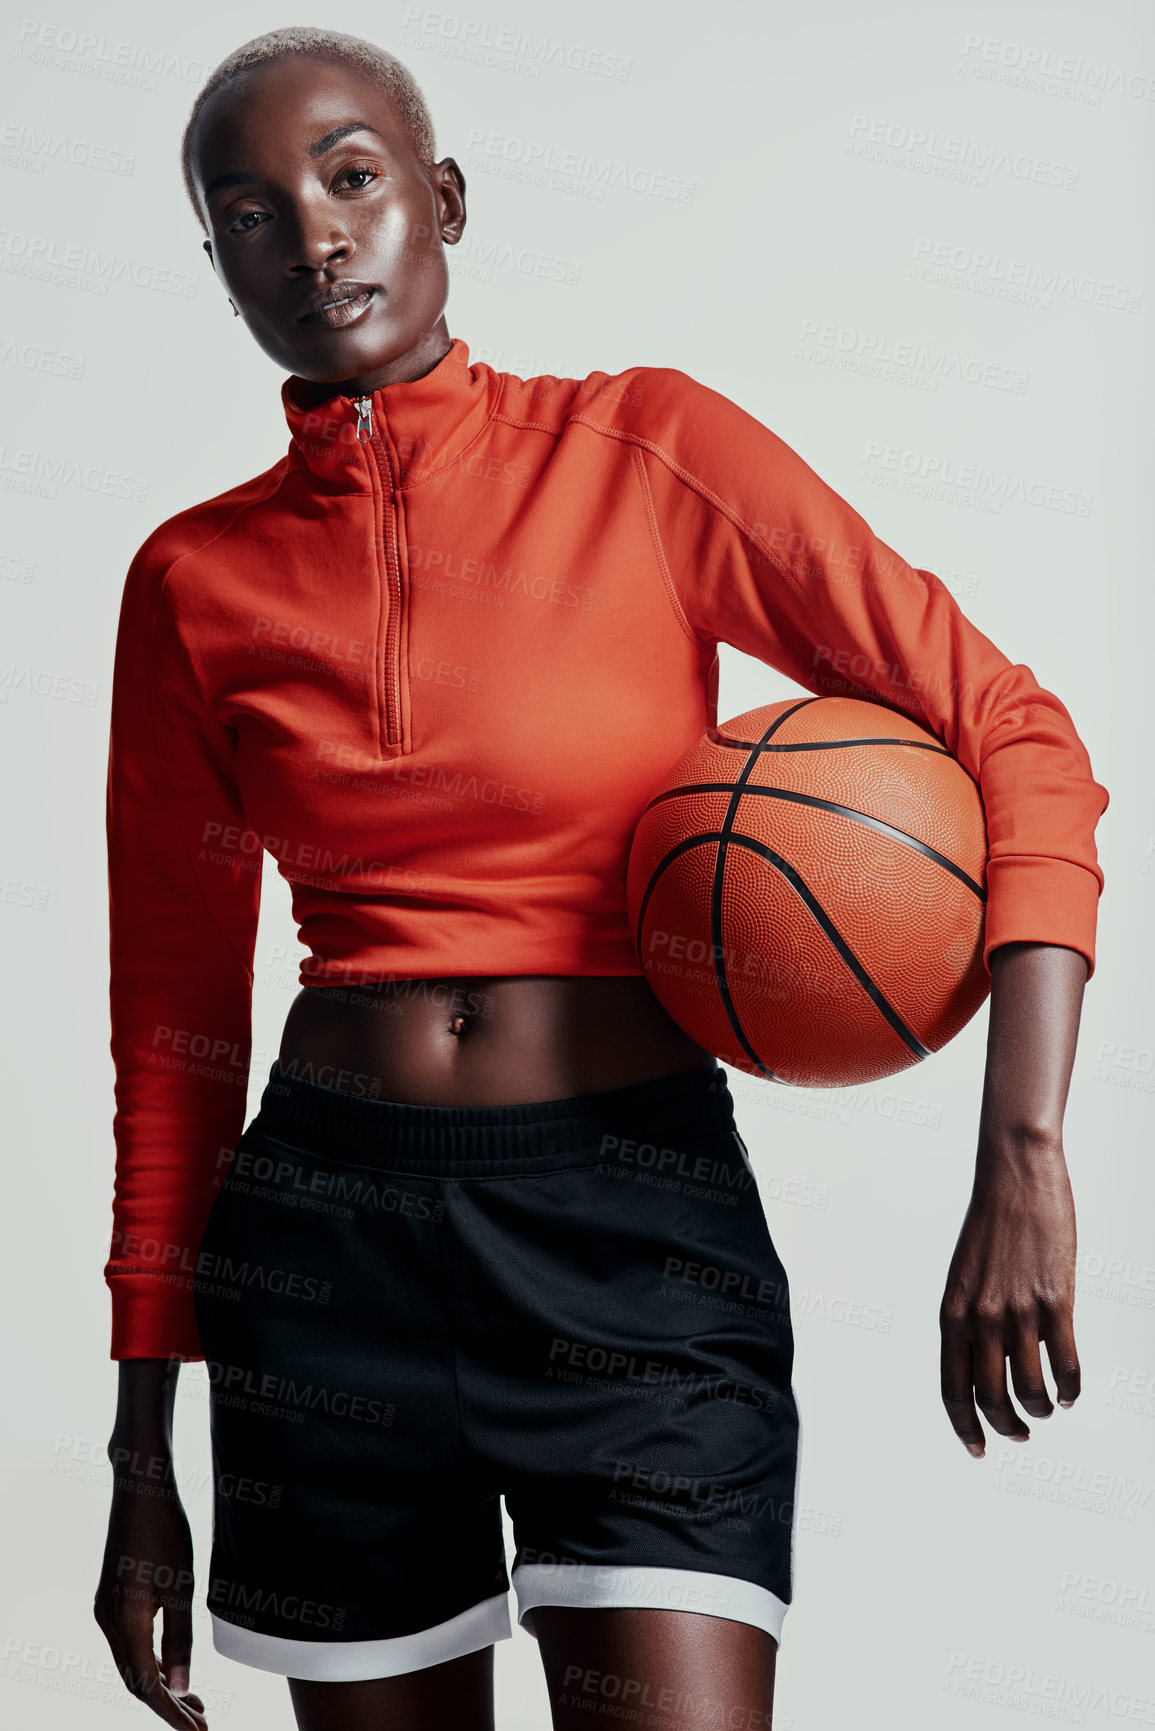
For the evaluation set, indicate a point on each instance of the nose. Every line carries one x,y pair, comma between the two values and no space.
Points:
319,241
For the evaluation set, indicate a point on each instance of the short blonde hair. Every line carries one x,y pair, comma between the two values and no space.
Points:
395,79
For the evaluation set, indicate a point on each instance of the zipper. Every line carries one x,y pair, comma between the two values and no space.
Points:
364,408
381,467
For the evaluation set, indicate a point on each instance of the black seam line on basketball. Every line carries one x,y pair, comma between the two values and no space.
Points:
802,888
806,895
809,745
716,939
666,861
847,811
829,744
723,989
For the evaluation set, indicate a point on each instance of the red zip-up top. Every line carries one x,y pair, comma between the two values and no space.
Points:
437,670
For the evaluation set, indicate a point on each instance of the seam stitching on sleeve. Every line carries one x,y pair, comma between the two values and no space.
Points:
663,564
531,426
690,480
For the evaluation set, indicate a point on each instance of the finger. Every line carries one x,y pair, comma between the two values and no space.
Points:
131,1650
1058,1335
176,1646
1027,1369
955,1362
141,1672
176,1656
989,1356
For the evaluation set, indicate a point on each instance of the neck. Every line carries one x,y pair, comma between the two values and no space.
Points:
413,364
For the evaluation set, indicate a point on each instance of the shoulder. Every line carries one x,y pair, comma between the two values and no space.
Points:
637,402
170,550
690,426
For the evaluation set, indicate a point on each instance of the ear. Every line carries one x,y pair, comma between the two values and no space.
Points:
449,184
208,246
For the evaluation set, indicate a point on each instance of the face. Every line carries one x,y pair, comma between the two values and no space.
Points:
324,227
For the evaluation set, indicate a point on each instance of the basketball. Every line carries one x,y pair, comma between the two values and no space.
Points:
806,892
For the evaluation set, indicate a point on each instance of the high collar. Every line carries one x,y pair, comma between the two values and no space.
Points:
423,424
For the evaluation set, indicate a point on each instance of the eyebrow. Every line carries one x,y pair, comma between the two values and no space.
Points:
245,176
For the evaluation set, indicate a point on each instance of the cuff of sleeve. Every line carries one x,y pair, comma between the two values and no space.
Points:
154,1321
1041,901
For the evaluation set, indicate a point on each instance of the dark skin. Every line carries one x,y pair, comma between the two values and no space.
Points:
312,199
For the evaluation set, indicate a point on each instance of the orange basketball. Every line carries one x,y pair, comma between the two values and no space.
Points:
807,891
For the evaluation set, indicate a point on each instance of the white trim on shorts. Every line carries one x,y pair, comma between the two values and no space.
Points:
358,1661
603,1587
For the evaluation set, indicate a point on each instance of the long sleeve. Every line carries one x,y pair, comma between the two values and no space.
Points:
763,555
183,903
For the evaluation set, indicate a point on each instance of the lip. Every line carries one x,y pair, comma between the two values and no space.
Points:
341,304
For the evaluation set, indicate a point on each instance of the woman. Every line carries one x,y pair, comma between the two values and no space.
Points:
435,661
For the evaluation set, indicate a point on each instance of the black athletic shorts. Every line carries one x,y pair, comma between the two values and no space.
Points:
409,1312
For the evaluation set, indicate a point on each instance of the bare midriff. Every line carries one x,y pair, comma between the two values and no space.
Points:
485,1040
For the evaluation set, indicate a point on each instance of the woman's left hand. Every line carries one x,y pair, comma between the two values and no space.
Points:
1011,1286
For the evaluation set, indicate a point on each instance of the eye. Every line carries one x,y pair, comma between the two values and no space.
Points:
238,223
364,174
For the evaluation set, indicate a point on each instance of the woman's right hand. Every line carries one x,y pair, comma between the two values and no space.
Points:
148,1556
148,1567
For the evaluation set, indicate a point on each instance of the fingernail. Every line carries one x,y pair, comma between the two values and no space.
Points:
976,1449
1066,1403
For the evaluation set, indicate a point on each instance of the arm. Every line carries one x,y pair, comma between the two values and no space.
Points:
148,1553
762,554
183,907
182,924
1012,1278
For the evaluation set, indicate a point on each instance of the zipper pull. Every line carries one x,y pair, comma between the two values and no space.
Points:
364,408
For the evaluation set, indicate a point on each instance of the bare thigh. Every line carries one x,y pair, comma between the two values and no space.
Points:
668,1670
458,1693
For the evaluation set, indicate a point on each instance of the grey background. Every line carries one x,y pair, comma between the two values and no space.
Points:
931,1589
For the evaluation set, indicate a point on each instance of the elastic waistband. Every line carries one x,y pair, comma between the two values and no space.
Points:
673,1112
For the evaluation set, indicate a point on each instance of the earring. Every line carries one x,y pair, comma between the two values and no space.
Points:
236,310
